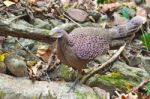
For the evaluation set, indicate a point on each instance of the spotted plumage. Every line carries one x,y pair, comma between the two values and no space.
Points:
88,42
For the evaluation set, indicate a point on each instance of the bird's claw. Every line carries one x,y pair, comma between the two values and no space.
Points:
72,88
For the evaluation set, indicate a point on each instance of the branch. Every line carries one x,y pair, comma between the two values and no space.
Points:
100,67
19,30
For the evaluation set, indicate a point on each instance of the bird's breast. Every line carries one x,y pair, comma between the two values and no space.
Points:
67,55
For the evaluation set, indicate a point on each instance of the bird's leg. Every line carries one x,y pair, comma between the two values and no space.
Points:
72,87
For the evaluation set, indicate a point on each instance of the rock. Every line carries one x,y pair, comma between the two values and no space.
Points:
145,63
136,74
95,15
2,67
102,93
27,43
42,24
25,23
11,44
77,14
20,88
136,61
63,72
90,24
24,54
16,65
121,76
67,27
55,22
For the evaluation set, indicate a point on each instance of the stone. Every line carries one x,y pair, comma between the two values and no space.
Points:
77,14
16,65
2,67
21,88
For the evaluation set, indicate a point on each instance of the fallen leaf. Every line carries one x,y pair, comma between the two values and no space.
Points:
8,3
2,56
44,52
31,2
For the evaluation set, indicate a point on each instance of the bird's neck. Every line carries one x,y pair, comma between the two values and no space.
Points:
63,41
62,46
65,37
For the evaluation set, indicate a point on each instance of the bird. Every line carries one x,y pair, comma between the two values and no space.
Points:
83,44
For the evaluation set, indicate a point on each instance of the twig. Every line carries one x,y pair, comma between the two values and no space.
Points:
10,20
113,58
38,59
72,20
141,85
125,58
23,31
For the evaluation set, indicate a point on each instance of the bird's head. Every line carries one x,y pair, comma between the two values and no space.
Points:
136,23
138,20
57,33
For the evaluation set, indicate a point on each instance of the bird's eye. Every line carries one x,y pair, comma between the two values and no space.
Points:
59,32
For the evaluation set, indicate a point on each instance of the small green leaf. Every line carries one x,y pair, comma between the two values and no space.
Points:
100,1
139,2
2,57
148,87
127,12
145,38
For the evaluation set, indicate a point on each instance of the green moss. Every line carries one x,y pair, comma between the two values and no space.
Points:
46,32
116,80
66,72
2,95
66,7
88,95
34,97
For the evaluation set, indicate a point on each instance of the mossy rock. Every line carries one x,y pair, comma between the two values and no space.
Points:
2,95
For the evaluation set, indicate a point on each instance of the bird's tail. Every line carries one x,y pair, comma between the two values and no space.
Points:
128,28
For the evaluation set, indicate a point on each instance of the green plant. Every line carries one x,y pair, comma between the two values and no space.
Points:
145,38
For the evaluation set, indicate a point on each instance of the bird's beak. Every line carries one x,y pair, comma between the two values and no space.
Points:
56,35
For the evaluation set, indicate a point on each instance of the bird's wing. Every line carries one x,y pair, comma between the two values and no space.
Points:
90,46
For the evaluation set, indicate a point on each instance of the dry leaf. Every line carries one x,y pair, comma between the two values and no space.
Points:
65,2
15,1
132,95
31,2
121,96
44,52
109,7
8,3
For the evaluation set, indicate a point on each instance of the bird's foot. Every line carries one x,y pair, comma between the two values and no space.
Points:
72,87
